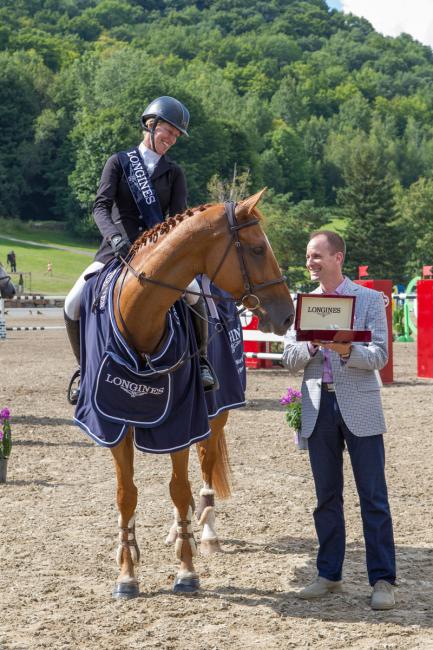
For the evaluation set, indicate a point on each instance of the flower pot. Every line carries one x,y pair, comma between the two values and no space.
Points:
300,442
3,469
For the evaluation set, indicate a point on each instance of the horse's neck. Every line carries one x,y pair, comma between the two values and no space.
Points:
144,305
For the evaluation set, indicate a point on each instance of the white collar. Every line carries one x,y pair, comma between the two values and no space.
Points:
150,158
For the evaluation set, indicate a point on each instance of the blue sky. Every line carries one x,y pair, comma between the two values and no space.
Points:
392,17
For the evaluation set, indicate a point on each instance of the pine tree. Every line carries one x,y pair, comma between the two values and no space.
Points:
367,199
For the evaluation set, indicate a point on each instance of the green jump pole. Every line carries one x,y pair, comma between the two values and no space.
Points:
408,325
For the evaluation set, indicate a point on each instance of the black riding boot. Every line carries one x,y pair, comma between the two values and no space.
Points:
73,332
208,377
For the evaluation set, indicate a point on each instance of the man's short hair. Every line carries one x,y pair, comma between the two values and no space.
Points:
336,243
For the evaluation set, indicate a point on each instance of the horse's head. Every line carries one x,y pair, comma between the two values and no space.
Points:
7,289
242,262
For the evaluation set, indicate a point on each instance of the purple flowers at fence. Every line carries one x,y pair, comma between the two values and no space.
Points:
5,433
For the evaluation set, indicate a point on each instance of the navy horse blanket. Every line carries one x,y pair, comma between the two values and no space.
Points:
168,411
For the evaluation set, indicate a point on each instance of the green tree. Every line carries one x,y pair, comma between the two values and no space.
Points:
373,235
415,207
288,226
284,163
21,97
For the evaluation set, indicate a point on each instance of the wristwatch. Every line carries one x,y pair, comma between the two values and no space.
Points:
115,240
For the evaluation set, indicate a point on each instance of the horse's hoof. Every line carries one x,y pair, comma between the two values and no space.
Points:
186,584
125,590
210,546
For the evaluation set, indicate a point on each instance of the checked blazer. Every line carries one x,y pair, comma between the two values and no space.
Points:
357,387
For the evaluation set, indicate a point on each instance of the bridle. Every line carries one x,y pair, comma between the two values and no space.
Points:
250,288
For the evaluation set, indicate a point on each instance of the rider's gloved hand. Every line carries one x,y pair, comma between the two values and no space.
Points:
120,246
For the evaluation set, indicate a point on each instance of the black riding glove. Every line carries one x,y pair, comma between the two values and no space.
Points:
120,246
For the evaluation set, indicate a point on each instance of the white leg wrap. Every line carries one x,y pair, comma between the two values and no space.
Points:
131,538
180,531
172,533
207,517
209,525
207,491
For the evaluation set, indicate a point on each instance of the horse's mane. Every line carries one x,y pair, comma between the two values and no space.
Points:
151,236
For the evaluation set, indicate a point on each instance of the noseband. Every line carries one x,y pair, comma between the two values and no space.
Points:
249,287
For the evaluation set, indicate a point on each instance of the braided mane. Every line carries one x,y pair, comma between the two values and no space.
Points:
151,236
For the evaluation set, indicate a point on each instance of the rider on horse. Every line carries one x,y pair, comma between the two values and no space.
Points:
137,189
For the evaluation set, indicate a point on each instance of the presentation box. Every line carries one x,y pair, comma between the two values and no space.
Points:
327,318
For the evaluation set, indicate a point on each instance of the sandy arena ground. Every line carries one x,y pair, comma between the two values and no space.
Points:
58,526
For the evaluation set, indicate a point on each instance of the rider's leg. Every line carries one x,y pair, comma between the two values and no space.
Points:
71,314
200,321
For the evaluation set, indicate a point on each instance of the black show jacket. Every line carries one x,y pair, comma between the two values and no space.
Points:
115,210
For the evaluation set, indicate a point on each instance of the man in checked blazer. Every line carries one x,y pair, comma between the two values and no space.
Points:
341,407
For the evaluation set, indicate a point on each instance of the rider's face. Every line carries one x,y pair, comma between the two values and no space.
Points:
165,136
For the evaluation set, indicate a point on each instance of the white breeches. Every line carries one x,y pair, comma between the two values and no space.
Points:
191,298
73,299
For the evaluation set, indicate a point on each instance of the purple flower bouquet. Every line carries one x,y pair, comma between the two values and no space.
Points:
5,434
292,400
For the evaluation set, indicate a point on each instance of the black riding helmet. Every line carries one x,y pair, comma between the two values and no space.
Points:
169,110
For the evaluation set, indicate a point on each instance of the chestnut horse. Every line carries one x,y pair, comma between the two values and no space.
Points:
227,244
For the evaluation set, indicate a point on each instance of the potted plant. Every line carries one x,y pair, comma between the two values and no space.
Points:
292,400
5,442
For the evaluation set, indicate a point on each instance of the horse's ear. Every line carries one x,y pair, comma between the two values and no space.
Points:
246,206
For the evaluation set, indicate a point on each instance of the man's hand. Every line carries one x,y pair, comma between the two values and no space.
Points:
343,349
120,246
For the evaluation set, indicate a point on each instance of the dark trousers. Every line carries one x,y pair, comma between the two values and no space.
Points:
367,456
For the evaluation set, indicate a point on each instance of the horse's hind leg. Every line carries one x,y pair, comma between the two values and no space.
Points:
128,553
187,580
215,470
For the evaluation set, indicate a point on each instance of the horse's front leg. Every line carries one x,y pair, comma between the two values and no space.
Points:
128,553
187,580
215,471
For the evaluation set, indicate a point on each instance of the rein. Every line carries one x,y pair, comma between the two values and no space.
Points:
234,227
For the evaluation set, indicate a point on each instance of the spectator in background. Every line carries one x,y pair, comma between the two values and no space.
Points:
21,285
12,261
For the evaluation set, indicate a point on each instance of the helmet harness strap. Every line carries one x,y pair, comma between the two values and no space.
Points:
151,131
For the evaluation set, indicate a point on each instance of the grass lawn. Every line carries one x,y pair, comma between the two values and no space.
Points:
66,265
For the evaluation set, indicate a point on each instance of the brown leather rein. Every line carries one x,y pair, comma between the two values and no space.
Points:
250,288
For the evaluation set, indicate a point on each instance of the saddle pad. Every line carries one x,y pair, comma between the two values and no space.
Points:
225,352
121,395
117,386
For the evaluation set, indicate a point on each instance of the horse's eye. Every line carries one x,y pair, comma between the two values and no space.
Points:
258,250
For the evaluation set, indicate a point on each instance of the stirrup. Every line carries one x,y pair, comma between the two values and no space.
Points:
74,391
208,376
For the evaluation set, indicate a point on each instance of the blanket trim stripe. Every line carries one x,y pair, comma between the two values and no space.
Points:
95,438
226,407
192,441
122,341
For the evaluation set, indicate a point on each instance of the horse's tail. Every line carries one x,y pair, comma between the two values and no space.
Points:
222,471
